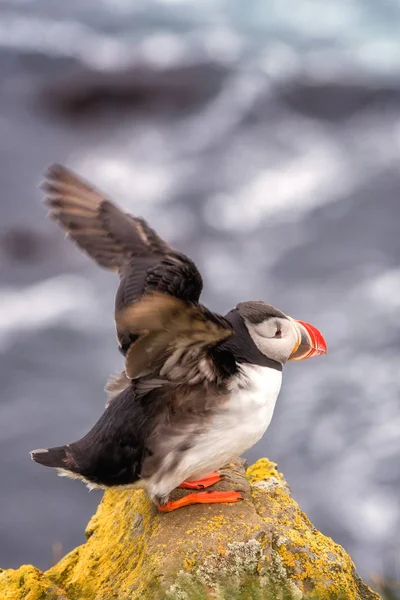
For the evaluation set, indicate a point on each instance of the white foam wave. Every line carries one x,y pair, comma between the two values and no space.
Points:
66,298
62,38
282,193
134,183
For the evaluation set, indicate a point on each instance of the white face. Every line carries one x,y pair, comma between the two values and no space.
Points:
278,336
275,337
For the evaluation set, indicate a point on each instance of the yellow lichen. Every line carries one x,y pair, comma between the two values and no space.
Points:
321,567
262,470
116,544
28,583
188,563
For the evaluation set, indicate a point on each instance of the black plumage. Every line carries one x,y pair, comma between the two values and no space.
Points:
137,430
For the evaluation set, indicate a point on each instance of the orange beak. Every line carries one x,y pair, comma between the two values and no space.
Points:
310,341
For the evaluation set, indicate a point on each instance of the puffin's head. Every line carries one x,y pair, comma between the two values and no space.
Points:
278,336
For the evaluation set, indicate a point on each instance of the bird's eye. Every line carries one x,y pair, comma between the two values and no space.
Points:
278,333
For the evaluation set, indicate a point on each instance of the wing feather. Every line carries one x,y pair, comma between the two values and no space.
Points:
118,241
93,221
174,338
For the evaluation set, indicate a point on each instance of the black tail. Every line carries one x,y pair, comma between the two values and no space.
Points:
51,457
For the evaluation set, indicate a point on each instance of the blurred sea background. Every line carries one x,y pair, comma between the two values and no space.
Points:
262,139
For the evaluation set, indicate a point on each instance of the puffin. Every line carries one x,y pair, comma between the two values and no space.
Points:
197,388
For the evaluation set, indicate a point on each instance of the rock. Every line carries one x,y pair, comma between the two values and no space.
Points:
337,100
86,93
263,547
22,245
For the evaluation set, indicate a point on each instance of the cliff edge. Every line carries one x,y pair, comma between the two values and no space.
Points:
262,548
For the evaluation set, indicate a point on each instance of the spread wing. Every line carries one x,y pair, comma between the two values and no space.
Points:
118,241
175,338
94,223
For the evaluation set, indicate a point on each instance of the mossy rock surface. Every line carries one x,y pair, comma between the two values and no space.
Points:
265,545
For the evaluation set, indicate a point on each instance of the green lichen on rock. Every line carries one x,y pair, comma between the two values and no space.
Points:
263,547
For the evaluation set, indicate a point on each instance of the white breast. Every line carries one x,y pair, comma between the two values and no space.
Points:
244,418
249,411
238,425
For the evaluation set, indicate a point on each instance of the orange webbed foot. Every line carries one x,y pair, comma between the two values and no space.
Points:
202,498
201,484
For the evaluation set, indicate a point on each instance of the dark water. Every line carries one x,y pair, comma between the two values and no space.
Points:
265,143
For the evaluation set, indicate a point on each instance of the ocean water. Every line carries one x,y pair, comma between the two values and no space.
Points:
263,140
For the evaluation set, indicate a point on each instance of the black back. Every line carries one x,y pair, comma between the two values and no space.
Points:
112,452
173,273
